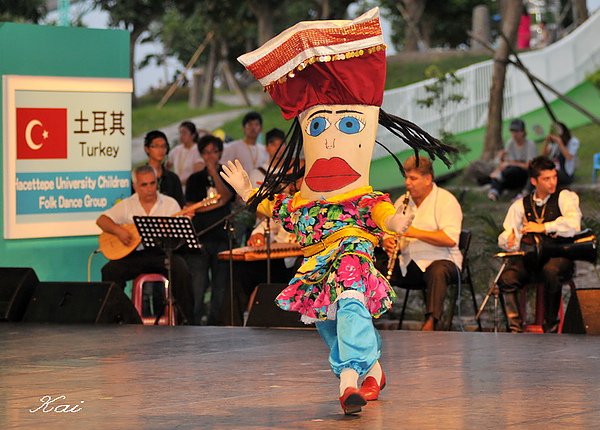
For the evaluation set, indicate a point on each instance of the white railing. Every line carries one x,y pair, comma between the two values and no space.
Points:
563,65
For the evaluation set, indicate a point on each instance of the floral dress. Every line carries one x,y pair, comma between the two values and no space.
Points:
345,265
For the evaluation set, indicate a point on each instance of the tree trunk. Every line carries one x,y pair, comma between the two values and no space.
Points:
208,93
481,27
196,88
232,82
133,36
325,9
263,12
412,11
580,11
493,134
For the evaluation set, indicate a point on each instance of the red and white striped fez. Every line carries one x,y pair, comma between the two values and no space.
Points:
322,63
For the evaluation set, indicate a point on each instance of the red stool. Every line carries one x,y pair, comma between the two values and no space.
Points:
536,327
137,294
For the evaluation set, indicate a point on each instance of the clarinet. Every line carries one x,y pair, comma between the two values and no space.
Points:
394,255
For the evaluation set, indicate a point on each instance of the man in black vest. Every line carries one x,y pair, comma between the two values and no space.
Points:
540,216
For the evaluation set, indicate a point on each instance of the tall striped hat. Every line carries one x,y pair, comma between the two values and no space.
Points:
322,63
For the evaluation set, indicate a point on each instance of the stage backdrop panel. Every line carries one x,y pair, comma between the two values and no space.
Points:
71,85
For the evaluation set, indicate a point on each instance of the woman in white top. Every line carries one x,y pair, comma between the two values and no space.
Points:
185,159
561,147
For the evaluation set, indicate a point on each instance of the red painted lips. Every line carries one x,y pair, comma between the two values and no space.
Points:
330,175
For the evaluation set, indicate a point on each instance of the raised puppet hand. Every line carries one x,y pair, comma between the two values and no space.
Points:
400,221
237,177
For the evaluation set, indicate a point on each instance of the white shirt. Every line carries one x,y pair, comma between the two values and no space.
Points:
124,211
439,211
184,160
256,176
572,148
250,156
278,235
565,225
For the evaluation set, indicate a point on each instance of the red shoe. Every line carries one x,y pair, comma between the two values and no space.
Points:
352,401
370,388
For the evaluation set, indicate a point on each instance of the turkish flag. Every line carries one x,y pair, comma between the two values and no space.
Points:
41,133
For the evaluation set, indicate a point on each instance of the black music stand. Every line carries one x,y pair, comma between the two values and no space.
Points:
168,234
494,289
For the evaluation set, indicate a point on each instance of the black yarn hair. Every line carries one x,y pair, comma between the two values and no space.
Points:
286,166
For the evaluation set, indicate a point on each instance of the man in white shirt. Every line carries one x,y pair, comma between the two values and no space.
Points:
146,201
248,151
428,249
546,213
251,155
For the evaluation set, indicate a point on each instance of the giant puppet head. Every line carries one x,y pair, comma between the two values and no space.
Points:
330,76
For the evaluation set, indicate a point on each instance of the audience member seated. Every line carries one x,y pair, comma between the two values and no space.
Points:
428,249
146,201
512,171
561,147
540,216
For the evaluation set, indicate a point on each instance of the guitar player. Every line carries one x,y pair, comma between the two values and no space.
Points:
146,201
547,213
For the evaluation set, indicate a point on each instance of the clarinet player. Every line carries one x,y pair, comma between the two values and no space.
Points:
427,252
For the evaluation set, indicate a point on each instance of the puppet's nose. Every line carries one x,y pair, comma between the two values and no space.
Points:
329,144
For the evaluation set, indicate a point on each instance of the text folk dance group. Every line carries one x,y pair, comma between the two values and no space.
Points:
329,76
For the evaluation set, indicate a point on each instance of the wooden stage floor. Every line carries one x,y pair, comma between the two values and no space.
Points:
140,377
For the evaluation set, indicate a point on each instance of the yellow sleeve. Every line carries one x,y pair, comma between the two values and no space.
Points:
266,208
381,212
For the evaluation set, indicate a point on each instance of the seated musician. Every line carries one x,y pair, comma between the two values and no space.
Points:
277,235
146,201
547,213
200,185
428,249
248,274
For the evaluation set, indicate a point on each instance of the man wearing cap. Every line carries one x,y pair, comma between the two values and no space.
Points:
512,171
329,76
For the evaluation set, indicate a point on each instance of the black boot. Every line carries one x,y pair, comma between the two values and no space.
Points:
513,316
551,305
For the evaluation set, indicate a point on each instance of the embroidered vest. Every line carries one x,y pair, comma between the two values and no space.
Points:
550,214
528,241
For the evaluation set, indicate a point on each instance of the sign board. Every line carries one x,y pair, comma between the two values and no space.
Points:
67,153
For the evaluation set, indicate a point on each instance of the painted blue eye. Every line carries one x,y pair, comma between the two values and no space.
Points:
317,126
349,125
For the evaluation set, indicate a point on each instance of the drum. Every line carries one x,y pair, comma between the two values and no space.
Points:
539,248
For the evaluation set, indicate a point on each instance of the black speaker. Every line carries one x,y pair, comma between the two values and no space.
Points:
80,303
16,287
583,312
263,312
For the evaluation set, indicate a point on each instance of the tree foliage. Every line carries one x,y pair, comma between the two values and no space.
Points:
135,16
22,10
443,23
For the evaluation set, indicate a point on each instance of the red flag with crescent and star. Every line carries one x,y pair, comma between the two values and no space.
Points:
41,133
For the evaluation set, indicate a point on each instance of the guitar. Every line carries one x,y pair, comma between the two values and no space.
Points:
111,246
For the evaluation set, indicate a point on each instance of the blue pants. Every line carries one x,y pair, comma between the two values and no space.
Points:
351,338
